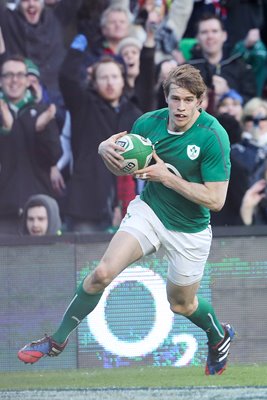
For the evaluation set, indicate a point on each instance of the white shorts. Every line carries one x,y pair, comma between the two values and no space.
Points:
187,253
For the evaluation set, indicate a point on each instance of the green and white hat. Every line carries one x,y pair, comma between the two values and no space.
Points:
32,68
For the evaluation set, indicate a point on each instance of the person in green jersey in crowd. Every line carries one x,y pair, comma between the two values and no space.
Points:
188,178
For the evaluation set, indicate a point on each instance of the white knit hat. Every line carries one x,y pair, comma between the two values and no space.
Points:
129,41
18,2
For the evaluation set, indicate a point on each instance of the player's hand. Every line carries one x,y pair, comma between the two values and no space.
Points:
156,172
110,151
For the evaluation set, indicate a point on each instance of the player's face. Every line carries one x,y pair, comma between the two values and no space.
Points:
211,37
32,10
37,221
117,26
109,82
14,80
183,108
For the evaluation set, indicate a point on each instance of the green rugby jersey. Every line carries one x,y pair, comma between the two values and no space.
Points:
200,154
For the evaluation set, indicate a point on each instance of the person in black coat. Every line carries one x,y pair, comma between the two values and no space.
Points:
29,144
36,31
96,113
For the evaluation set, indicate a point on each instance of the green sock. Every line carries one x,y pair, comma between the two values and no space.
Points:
205,318
81,305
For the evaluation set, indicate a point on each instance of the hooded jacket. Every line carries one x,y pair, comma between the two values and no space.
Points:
51,206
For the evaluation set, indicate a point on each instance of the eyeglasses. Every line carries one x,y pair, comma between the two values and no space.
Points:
255,120
12,75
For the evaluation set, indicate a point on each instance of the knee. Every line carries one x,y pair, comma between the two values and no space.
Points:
182,308
101,277
98,280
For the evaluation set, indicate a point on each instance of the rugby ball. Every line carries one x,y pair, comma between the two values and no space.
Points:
137,152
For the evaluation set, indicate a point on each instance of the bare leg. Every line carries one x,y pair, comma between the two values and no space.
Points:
182,299
122,251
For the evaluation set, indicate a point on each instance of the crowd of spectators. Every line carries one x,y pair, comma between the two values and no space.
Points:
75,72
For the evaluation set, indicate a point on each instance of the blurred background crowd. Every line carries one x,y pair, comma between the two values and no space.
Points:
75,72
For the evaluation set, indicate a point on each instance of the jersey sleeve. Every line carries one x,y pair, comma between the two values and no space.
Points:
138,127
216,165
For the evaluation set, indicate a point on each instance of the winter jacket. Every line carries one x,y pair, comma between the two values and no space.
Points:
26,157
256,56
252,157
234,70
43,43
92,188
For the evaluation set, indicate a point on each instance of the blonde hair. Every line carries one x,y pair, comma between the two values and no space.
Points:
249,111
111,9
253,105
187,77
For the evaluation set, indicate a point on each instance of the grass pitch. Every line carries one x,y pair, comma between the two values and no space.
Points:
145,377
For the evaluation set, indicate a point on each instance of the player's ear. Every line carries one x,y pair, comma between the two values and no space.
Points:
200,100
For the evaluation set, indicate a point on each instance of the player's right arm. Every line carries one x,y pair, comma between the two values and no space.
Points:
208,194
110,153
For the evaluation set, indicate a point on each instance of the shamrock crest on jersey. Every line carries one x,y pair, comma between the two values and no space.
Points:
193,151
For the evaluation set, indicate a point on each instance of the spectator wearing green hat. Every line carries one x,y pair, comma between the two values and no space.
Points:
41,93
61,171
29,146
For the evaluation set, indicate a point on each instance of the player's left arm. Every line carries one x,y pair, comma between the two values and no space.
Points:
208,194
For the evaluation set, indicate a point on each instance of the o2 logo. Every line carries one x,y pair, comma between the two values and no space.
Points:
158,333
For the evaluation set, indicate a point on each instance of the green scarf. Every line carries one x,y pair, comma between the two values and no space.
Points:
15,107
